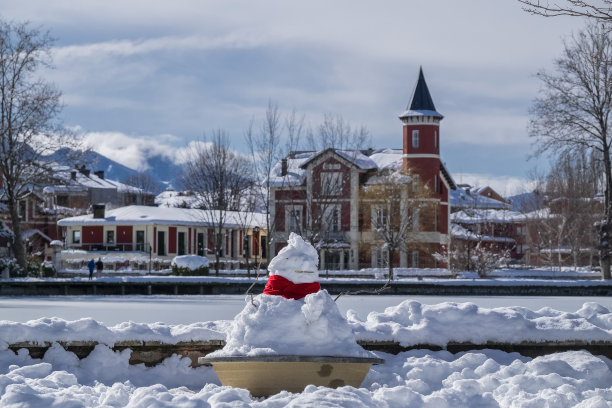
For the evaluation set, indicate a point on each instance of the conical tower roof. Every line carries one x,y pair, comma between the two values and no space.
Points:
421,103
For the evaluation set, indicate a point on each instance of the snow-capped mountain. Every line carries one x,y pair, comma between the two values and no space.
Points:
161,169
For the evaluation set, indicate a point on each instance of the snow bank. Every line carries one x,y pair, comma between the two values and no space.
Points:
54,329
191,262
412,323
417,379
409,323
275,325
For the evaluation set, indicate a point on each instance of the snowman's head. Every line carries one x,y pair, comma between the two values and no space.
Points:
298,261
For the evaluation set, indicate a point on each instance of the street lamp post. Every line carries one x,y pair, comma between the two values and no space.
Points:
469,244
256,236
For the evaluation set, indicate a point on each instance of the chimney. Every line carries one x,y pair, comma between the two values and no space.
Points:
283,167
73,174
99,173
84,171
98,210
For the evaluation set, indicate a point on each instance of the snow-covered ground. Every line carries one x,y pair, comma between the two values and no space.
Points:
411,379
418,378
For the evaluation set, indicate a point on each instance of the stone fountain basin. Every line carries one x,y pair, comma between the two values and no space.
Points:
271,374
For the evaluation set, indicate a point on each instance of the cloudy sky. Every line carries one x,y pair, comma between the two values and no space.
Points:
141,77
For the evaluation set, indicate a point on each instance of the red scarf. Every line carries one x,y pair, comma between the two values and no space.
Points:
280,286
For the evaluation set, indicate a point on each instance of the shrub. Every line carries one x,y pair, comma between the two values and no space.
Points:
190,265
182,271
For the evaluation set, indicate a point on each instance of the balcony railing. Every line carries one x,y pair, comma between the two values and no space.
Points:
106,247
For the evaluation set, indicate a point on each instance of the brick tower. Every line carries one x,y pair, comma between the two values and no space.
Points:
422,135
421,158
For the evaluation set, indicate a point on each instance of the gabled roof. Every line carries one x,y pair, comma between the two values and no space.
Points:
421,103
297,163
354,157
462,198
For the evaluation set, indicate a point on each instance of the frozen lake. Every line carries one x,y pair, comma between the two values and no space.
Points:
112,310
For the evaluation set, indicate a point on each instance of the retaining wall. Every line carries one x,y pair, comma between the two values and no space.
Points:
152,353
101,287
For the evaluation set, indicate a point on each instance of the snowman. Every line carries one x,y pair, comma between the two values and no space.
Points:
294,271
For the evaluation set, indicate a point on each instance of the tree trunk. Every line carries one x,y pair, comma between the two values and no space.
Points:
604,250
18,247
604,232
217,252
390,260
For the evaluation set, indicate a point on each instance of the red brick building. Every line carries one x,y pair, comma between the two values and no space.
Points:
320,195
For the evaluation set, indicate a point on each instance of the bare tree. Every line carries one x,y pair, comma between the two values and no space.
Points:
599,10
29,125
267,146
219,176
571,189
334,132
396,205
574,110
146,186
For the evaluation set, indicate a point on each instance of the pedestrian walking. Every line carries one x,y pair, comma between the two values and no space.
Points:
99,268
91,265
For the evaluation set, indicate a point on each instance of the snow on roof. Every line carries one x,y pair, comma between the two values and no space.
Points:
459,232
476,216
82,181
145,215
355,157
461,198
31,232
385,158
295,173
388,158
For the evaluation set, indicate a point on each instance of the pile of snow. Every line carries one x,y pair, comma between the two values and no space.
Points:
420,378
297,261
53,329
297,321
305,325
279,326
411,323
191,262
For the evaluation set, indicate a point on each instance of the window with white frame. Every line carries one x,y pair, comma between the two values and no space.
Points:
415,259
331,218
331,183
380,258
416,179
415,220
110,237
293,217
415,139
76,236
380,216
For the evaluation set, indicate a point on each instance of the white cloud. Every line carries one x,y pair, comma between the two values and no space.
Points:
131,151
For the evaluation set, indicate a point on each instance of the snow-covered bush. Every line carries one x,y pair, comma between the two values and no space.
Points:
190,265
11,264
485,260
478,258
